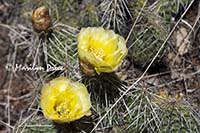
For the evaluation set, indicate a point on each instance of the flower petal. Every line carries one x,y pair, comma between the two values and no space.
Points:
64,101
101,49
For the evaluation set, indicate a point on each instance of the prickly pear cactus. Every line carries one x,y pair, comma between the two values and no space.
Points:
178,118
169,9
176,114
115,14
35,125
154,24
142,114
68,17
74,13
160,113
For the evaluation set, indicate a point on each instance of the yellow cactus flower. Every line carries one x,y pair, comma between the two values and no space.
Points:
65,101
100,50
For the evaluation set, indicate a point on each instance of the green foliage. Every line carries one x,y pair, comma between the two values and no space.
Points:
142,114
148,114
138,111
62,46
115,15
74,13
178,117
154,23
35,125
168,9
146,43
105,90
23,1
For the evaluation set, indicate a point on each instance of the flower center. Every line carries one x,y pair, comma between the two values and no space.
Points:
98,52
62,109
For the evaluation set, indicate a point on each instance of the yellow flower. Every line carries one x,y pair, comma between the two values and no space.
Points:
100,50
65,101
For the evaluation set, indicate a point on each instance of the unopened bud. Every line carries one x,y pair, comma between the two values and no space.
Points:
41,19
